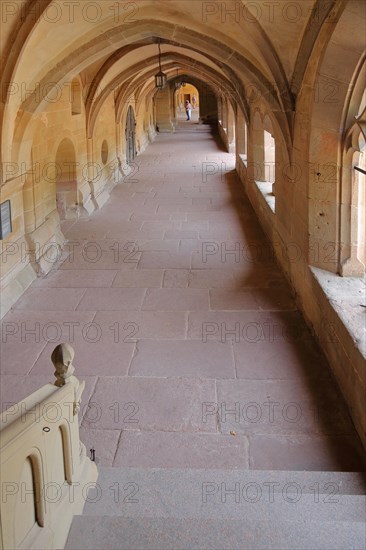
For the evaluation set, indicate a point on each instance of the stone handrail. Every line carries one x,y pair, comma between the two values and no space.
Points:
45,473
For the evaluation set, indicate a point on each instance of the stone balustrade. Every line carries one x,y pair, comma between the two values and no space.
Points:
45,473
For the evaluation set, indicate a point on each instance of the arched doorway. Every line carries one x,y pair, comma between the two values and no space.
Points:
130,136
186,92
66,180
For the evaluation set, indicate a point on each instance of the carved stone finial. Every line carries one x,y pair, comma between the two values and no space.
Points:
62,357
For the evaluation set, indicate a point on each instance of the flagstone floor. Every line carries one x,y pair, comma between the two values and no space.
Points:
184,328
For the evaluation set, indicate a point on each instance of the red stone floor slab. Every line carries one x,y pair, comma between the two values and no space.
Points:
182,321
19,358
176,278
151,404
149,216
51,299
281,407
249,327
114,254
165,226
178,234
258,298
164,259
178,216
26,333
115,298
276,359
176,358
211,254
194,226
78,278
143,278
173,299
131,326
166,245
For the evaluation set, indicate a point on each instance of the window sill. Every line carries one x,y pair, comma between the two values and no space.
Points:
346,296
265,187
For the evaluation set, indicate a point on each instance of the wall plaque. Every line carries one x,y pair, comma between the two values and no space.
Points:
5,219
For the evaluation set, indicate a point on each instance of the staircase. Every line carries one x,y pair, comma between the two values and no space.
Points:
221,509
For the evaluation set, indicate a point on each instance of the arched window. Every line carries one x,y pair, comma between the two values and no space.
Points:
360,191
224,113
242,135
269,151
220,109
257,146
230,128
262,169
353,197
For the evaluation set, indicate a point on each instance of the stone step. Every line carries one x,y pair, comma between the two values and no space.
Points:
249,494
116,533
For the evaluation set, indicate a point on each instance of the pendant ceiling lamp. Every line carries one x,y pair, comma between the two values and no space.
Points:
181,84
178,84
160,77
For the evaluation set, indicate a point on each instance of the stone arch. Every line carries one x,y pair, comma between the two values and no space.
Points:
215,51
328,101
208,107
208,81
186,91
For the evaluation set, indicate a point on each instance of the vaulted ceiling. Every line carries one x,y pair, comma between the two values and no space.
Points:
234,46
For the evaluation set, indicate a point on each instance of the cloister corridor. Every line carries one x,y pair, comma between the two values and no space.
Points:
184,328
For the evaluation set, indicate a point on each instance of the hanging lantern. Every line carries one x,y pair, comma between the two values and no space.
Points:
177,84
160,80
160,77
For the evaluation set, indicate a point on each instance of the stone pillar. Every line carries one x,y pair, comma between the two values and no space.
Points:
230,129
208,108
258,152
164,121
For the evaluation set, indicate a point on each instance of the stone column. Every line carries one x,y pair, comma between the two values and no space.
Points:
258,152
164,121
